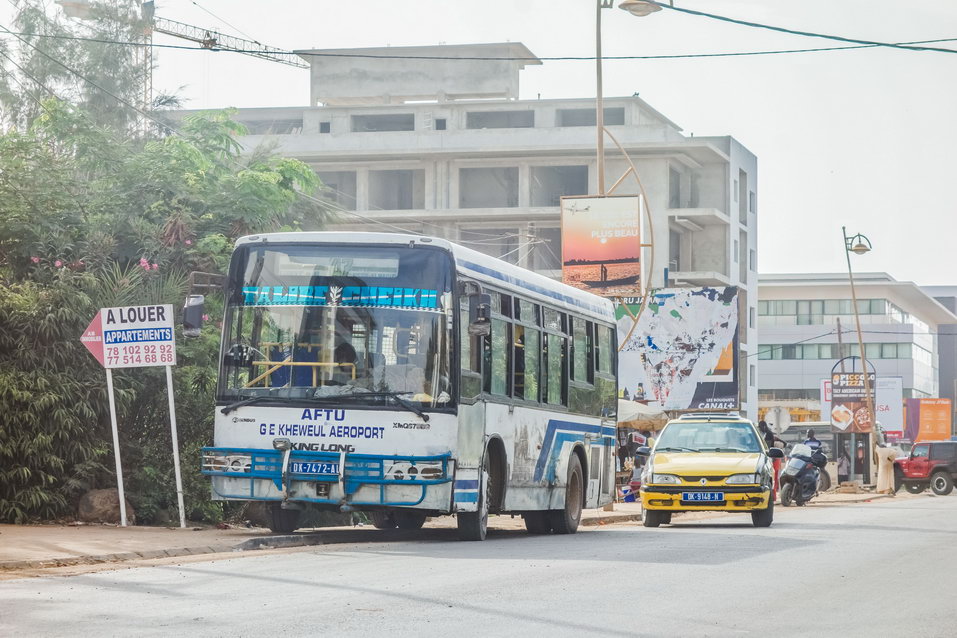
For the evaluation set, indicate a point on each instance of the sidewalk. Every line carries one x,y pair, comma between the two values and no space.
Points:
45,546
33,547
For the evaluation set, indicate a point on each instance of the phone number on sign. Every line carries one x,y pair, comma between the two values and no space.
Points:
136,354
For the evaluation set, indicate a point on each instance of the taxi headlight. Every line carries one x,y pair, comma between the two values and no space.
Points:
664,479
743,479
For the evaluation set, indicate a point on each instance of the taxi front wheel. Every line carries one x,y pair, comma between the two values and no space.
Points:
763,518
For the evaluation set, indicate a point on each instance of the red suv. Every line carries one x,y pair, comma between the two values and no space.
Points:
932,464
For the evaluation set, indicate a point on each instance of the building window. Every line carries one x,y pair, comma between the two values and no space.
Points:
383,122
274,127
397,190
325,127
735,251
752,260
547,251
550,183
440,124
494,242
613,116
753,376
752,202
339,187
494,187
735,190
820,351
500,119
751,318
674,188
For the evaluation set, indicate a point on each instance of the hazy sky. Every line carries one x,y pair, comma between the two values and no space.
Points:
860,138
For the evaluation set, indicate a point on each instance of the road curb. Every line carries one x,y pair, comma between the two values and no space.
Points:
608,519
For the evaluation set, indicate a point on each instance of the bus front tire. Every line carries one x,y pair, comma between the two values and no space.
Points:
283,521
408,520
473,526
382,520
565,521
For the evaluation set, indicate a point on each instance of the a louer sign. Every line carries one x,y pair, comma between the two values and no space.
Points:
136,337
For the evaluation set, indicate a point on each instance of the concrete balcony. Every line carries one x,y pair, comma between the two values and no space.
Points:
695,219
699,278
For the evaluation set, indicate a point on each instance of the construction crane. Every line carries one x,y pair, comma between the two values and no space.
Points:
206,38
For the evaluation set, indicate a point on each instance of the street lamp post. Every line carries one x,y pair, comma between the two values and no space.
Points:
638,8
859,244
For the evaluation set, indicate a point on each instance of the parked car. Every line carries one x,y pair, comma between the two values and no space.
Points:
931,464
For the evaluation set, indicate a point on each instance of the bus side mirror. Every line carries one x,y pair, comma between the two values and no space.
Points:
480,314
193,315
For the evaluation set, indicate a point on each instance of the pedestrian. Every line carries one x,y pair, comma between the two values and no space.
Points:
769,436
843,467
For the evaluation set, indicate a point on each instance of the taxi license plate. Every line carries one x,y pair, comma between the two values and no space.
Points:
304,467
702,497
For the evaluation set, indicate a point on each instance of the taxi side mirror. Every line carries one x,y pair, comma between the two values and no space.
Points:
644,450
776,453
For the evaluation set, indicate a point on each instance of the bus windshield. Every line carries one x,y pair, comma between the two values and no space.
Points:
356,324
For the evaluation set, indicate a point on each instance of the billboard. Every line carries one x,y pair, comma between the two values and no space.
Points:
601,244
928,420
888,404
849,411
682,355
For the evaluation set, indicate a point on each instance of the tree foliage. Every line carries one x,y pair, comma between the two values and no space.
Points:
92,216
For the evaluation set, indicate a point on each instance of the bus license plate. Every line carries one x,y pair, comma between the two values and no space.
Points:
303,467
702,497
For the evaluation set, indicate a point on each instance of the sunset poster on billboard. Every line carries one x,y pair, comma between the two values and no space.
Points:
601,244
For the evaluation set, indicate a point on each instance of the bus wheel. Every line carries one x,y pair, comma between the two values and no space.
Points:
538,522
283,521
382,520
409,520
473,526
565,521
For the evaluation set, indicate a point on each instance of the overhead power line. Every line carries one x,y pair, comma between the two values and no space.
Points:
562,58
809,34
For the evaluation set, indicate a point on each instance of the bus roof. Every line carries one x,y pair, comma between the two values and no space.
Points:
470,262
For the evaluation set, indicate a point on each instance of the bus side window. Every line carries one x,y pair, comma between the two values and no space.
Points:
470,355
497,372
555,378
606,349
582,367
527,347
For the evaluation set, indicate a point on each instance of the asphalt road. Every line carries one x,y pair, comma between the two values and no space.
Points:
875,569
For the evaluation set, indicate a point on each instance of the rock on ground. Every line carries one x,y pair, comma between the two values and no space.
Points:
103,506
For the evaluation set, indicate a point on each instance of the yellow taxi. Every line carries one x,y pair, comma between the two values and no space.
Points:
708,462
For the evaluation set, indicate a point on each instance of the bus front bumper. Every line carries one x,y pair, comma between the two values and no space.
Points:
334,479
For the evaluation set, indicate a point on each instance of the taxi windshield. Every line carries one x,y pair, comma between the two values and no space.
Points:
708,436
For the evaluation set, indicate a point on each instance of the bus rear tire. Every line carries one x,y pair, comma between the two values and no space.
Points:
408,520
537,522
565,521
283,521
382,520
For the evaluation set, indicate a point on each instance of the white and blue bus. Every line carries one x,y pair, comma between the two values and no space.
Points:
408,377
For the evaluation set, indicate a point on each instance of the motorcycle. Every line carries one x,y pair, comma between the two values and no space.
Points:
800,475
